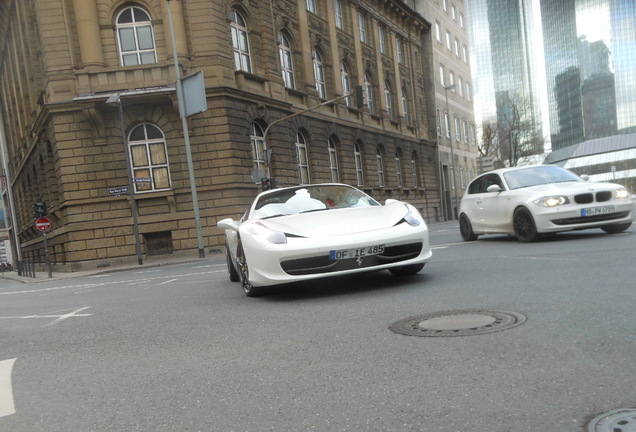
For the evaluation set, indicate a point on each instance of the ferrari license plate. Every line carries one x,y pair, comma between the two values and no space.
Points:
356,253
595,211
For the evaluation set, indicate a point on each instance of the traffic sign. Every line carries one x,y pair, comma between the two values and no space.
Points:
43,224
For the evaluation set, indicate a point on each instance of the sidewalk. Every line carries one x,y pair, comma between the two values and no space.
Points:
158,261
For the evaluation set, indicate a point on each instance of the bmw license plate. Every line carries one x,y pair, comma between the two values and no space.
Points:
356,253
595,211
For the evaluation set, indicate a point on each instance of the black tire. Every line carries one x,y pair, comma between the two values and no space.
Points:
407,270
244,274
466,229
234,276
524,227
616,228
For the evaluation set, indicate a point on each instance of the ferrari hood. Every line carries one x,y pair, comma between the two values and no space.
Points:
339,221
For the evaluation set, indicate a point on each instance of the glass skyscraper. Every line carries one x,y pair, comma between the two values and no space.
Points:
590,57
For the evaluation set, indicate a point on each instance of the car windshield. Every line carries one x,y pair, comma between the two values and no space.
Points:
308,199
538,175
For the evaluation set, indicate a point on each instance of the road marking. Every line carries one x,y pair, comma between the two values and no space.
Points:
147,271
58,318
168,281
7,407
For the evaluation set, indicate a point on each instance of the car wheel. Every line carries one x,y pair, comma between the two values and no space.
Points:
466,229
616,228
524,226
407,270
234,276
244,273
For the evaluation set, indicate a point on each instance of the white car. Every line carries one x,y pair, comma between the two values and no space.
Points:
543,199
323,230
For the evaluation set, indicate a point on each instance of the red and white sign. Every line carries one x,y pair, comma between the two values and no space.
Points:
43,224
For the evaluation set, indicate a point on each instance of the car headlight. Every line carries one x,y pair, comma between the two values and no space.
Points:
413,217
552,201
621,193
272,236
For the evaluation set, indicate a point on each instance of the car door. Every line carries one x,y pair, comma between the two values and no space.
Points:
471,202
493,206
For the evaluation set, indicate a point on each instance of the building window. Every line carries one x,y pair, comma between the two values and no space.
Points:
461,20
465,124
447,124
473,135
381,40
468,95
149,158
303,159
368,93
378,158
460,86
414,169
333,161
464,54
286,63
398,168
362,27
451,77
337,6
398,48
462,179
257,141
136,38
445,5
405,105
319,75
240,42
346,84
458,130
448,40
438,31
442,75
358,158
439,122
457,47
311,6
387,99
453,12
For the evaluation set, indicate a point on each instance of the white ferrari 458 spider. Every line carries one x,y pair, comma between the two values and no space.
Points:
323,230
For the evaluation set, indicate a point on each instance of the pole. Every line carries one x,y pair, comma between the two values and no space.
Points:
131,186
48,257
186,137
450,132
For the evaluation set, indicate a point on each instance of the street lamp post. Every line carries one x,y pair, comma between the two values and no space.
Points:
450,138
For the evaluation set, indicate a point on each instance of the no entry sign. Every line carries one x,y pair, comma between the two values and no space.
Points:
43,224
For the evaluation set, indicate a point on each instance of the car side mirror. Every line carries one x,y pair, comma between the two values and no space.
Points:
228,223
390,201
494,188
585,177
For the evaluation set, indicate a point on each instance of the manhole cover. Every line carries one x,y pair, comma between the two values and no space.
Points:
457,323
620,420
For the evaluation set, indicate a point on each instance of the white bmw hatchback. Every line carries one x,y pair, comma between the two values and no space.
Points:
529,201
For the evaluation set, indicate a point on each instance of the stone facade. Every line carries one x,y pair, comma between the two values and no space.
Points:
61,62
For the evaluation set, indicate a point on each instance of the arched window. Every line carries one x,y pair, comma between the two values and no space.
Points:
240,42
333,161
387,99
380,162
136,38
368,92
303,159
319,74
398,169
358,158
346,84
286,63
149,158
257,141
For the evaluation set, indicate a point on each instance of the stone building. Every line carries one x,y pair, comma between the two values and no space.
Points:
73,72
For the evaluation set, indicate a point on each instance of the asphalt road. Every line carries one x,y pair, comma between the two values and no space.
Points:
181,348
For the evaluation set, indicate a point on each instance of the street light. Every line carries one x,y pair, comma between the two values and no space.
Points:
450,137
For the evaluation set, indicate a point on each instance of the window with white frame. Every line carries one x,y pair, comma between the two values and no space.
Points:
464,53
387,99
462,178
442,75
333,161
447,124
465,125
257,141
438,31
303,159
398,49
240,42
381,39
445,5
346,84
456,47
368,93
460,86
337,6
286,63
414,169
461,20
380,164
149,158
451,77
136,37
405,105
398,169
448,40
358,159
319,74
311,6
473,135
458,130
439,122
362,27
468,94
453,12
